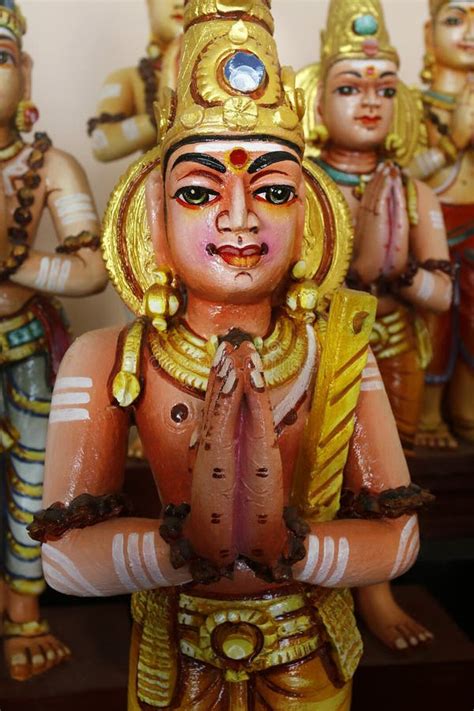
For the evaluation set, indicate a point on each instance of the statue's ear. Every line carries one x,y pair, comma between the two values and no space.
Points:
428,30
155,207
26,72
319,105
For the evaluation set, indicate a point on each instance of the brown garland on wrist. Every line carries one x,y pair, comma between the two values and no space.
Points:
441,265
103,118
408,277
282,572
84,240
18,235
391,503
84,511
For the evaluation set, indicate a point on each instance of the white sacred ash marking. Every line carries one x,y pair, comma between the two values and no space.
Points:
427,286
312,558
404,537
130,129
99,139
69,568
110,91
16,169
437,219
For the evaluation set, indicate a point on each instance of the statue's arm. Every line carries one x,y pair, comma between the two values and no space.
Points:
353,553
86,455
77,267
431,288
117,130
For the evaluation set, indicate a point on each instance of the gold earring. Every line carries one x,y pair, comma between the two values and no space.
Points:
427,71
162,300
27,115
319,135
302,298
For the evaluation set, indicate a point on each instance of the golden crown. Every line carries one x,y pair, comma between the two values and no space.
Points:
355,29
12,18
230,79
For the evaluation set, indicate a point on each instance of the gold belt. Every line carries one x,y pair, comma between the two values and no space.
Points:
393,334
239,636
247,635
12,348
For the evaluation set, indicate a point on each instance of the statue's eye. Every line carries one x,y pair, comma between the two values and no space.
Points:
388,93
276,194
6,57
453,21
196,196
347,90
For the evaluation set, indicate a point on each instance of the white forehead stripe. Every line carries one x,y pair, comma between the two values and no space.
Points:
223,146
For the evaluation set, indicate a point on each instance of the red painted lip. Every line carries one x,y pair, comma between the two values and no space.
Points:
178,17
466,46
242,257
369,120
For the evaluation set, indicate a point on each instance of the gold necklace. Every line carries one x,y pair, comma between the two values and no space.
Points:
188,358
11,151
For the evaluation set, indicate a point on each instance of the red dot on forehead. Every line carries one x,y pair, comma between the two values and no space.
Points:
239,157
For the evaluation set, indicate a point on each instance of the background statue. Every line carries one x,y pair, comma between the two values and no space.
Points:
360,125
248,398
33,333
448,167
125,121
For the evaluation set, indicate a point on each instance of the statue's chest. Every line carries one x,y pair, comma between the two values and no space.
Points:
170,420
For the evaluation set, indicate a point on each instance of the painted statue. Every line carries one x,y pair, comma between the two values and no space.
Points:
360,125
448,167
263,415
34,177
125,121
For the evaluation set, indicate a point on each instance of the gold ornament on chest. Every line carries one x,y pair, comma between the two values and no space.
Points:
188,358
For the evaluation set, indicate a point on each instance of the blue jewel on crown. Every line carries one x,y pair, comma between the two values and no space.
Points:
365,25
244,72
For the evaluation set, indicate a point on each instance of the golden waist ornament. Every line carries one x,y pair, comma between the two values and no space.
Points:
239,636
399,332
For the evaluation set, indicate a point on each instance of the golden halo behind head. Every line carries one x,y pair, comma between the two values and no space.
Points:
355,29
408,121
230,79
128,250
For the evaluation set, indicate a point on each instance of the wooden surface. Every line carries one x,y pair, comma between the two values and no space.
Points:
436,678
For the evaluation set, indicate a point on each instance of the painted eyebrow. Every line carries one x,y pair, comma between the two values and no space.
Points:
353,73
202,159
460,9
269,159
388,74
203,174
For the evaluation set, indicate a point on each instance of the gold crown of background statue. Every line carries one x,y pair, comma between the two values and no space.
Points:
12,19
355,29
230,79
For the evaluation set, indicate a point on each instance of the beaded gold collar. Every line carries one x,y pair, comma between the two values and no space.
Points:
188,358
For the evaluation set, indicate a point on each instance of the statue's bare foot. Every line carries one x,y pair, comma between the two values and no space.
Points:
387,621
28,656
464,429
438,437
